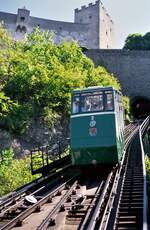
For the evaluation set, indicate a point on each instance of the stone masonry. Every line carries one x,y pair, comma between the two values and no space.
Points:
132,68
92,27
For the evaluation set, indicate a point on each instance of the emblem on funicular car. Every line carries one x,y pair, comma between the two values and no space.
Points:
92,122
92,129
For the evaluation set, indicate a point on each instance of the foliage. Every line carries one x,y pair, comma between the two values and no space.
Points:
13,173
126,104
49,116
138,42
147,162
5,105
37,77
6,157
38,161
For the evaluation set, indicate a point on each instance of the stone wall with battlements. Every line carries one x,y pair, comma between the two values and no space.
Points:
88,29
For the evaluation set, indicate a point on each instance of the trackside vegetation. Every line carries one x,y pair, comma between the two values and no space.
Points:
37,76
147,162
14,172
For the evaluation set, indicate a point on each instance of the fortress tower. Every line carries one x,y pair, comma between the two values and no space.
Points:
100,25
92,26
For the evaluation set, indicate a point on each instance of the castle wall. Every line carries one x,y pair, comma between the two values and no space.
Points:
132,68
88,29
62,30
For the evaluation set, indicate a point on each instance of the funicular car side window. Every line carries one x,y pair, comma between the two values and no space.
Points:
109,100
76,104
85,102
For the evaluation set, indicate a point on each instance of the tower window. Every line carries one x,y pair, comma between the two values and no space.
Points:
22,19
60,28
90,16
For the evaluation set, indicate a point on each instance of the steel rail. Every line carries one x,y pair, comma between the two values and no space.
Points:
142,129
16,205
53,212
100,202
133,130
91,207
34,207
5,205
23,189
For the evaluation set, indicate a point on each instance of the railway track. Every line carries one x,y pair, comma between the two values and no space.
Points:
132,207
31,188
70,208
112,200
15,213
127,206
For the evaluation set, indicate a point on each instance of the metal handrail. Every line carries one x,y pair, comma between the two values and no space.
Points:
142,128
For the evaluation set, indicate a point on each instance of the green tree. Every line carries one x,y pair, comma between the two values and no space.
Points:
134,42
38,76
138,42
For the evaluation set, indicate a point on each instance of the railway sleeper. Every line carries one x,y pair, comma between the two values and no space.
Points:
131,204
126,218
132,180
73,212
132,193
133,200
73,221
79,215
130,196
131,210
133,186
128,189
130,213
129,224
133,174
125,228
129,227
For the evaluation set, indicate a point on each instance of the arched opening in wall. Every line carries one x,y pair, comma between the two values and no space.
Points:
21,29
140,107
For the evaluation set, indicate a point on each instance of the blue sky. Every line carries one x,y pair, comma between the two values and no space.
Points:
130,16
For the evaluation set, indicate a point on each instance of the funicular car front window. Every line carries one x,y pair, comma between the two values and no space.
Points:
92,102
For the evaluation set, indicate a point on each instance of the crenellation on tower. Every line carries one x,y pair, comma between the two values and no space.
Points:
90,5
84,7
